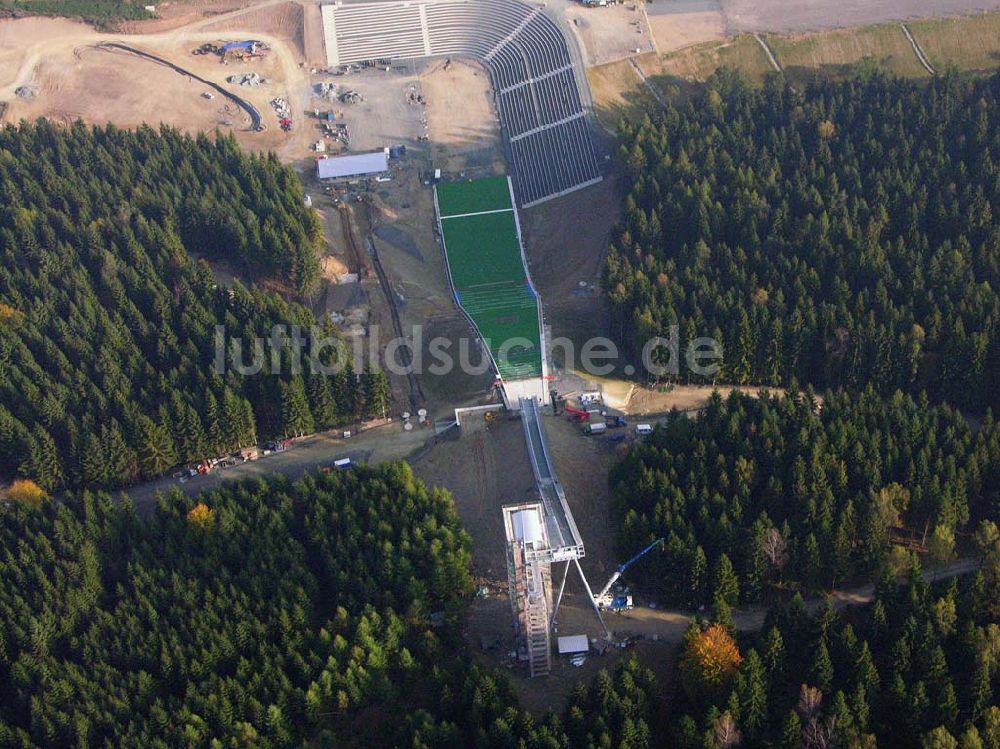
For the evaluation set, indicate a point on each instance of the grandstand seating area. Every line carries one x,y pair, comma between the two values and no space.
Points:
541,114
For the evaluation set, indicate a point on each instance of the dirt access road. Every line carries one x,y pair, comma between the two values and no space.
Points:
376,445
669,624
661,631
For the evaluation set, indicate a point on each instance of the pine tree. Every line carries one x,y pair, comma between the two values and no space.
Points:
94,466
190,436
774,656
377,393
821,669
43,465
14,442
725,585
791,731
321,401
970,739
859,707
864,671
947,705
753,696
980,691
212,416
697,577
295,415
156,448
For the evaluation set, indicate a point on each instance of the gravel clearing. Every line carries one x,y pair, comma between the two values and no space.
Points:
812,15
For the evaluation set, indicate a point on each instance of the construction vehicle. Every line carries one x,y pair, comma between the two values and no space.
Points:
616,421
575,414
598,428
286,123
621,601
243,50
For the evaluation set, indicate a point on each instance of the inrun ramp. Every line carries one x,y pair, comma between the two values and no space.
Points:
562,535
536,88
488,275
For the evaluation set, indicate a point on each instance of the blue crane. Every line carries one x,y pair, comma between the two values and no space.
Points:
617,603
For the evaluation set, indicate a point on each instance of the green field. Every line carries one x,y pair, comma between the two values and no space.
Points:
487,273
489,194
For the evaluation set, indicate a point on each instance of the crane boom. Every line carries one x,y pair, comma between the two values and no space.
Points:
621,568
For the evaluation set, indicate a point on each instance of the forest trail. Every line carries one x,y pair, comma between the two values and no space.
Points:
767,51
917,50
753,619
669,625
648,83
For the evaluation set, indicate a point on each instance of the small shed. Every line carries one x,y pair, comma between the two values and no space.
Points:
573,644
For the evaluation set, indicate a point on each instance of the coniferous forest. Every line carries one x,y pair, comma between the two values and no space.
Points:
288,614
108,324
264,614
916,669
842,234
772,490
835,238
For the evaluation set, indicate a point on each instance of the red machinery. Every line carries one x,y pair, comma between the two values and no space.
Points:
576,414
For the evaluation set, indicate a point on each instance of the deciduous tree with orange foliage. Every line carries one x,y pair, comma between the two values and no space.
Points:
201,516
27,491
709,662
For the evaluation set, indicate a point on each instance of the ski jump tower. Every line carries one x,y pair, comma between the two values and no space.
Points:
529,575
539,534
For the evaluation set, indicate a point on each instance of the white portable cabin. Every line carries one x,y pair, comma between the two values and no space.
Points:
573,644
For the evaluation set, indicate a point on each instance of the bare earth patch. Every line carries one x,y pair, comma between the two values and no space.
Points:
808,15
285,21
73,79
681,23
699,62
650,401
611,33
617,90
100,87
486,468
461,123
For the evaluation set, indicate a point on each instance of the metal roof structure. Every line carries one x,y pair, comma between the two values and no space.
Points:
355,165
573,644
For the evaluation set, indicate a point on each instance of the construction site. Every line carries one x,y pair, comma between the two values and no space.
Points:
422,152
466,191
